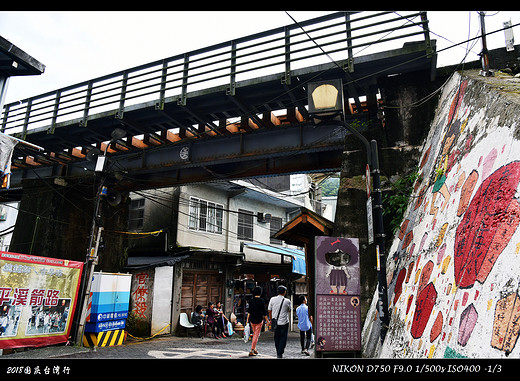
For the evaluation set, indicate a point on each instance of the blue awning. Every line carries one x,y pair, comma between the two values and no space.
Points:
298,256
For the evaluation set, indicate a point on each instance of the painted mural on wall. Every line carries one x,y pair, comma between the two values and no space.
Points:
454,268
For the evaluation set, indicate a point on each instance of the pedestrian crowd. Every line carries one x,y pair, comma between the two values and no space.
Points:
275,315
217,323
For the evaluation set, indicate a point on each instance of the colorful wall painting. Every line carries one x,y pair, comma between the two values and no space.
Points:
453,270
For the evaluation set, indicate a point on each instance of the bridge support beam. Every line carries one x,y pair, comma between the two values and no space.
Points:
408,110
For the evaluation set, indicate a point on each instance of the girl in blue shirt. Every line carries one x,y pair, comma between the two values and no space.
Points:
304,325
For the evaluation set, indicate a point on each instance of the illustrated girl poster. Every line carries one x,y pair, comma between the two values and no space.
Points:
337,266
338,312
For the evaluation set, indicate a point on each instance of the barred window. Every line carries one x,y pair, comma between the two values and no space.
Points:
205,216
245,225
275,226
136,214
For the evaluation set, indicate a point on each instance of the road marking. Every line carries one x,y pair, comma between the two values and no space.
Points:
198,353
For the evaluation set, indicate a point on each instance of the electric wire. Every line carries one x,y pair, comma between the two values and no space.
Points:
228,231
353,81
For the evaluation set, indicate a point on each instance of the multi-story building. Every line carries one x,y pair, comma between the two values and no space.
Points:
210,242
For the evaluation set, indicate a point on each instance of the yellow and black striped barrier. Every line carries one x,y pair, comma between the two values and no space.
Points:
104,339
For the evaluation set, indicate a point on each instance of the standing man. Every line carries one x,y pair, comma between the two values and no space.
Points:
281,306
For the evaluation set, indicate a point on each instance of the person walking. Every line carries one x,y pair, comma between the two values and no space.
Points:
304,325
256,315
281,307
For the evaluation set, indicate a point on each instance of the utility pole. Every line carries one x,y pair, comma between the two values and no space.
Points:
90,263
325,100
95,236
484,55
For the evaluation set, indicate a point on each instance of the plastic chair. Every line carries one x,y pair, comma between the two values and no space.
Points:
184,321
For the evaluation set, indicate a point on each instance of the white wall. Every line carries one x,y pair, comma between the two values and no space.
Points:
11,212
162,299
228,240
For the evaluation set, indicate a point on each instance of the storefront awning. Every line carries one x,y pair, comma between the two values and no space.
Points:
167,259
298,256
157,261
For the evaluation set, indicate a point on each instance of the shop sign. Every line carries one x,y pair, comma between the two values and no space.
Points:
37,299
338,310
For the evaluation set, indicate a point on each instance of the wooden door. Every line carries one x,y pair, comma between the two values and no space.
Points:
200,288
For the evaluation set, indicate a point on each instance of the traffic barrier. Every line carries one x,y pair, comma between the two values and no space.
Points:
104,339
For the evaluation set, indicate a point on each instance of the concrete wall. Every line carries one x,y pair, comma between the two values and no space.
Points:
454,268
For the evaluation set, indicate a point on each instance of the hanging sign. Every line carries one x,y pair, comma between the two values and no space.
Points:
368,180
338,309
370,222
37,299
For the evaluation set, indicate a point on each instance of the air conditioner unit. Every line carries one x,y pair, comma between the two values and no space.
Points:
263,217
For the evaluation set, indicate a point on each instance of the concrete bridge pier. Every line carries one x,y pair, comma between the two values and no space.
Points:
55,220
399,138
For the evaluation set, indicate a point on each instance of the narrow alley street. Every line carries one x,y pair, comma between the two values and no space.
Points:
173,347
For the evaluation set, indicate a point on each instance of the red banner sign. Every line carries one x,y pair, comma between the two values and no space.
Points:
37,299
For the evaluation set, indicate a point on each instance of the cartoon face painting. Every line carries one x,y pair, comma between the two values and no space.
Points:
338,273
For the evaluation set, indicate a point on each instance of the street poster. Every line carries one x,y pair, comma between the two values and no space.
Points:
38,296
338,288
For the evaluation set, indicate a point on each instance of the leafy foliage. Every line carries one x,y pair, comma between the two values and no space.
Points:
396,201
137,326
330,187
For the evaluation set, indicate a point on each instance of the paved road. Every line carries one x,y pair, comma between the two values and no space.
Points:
173,347
166,356
190,348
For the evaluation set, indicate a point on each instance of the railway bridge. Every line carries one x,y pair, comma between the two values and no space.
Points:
237,109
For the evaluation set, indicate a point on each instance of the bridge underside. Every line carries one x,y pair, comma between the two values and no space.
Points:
258,128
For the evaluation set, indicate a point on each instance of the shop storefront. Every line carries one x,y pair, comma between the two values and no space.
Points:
164,288
287,268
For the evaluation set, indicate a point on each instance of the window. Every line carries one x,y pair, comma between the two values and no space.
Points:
275,225
136,214
215,216
205,216
245,224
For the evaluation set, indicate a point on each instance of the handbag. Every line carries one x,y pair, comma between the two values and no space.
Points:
247,332
274,321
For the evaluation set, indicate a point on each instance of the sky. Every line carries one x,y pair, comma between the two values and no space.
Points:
79,45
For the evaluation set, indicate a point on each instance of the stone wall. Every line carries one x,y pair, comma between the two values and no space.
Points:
453,270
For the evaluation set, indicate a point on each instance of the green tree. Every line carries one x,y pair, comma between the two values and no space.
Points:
330,187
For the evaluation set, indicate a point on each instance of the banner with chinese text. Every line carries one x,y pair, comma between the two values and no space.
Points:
338,309
37,299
